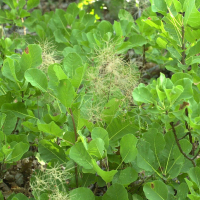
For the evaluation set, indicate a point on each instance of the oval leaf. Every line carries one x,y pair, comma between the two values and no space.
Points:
116,192
128,148
37,78
49,151
79,154
156,190
82,193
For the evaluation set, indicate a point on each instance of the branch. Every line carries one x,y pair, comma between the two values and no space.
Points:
196,155
183,136
179,146
189,133
15,125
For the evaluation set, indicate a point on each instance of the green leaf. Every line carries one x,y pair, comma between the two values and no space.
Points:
59,72
168,152
59,119
156,190
126,27
110,110
161,95
125,15
117,129
17,138
10,3
1,195
78,77
174,94
60,20
99,132
10,69
49,151
83,139
105,27
174,52
137,40
180,75
91,39
137,197
146,157
122,48
19,196
79,154
81,193
18,109
126,176
24,13
107,176
191,35
7,98
65,93
18,151
32,3
30,126
155,139
116,192
2,119
161,43
21,4
73,9
68,139
88,179
159,6
194,49
142,94
192,15
37,78
33,59
9,124
193,195
182,191
61,37
194,174
173,27
186,83
118,29
70,18
128,148
71,62
51,128
96,148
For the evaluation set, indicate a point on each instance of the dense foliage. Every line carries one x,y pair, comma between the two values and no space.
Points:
71,101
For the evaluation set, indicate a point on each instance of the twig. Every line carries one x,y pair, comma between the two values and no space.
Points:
189,133
179,146
15,125
196,155
183,136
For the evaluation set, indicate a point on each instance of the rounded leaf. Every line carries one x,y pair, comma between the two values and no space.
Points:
128,148
156,190
116,192
37,78
82,193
